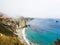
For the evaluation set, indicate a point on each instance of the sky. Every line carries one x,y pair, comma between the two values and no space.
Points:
31,8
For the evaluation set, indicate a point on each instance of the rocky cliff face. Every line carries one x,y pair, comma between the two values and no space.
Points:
23,20
8,27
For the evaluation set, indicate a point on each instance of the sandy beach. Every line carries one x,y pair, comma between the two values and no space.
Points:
25,39
22,36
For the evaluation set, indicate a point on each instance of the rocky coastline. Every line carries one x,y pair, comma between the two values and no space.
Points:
10,27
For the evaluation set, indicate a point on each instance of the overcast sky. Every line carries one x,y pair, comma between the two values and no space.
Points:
31,8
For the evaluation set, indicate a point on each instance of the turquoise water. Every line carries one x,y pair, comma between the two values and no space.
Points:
43,32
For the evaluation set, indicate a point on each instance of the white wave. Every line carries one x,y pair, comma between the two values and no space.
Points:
24,36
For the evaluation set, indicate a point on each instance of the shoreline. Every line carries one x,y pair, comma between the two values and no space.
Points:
24,37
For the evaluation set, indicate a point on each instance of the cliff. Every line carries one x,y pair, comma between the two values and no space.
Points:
8,28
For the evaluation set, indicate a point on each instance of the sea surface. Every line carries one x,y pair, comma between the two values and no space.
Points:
43,31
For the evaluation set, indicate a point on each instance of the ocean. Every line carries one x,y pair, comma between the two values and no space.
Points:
43,31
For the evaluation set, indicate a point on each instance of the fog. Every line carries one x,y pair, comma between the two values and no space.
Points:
31,8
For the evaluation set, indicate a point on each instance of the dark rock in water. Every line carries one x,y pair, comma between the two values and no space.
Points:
57,21
57,42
